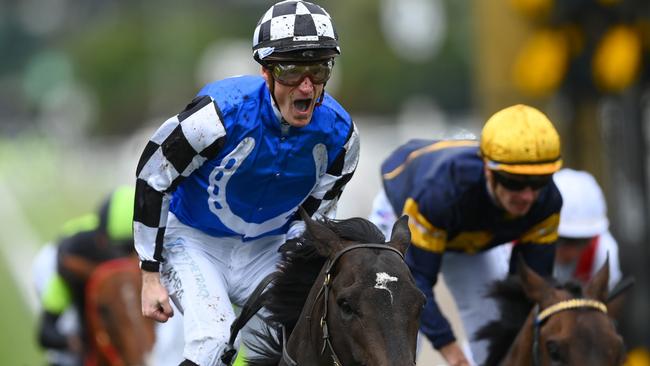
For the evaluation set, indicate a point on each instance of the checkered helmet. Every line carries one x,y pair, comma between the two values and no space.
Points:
294,30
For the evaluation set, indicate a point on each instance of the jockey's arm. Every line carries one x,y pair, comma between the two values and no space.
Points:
425,266
454,355
539,257
50,337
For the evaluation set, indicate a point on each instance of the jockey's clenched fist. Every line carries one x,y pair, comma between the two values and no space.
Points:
155,299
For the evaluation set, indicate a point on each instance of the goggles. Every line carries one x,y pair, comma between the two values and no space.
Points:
294,74
513,182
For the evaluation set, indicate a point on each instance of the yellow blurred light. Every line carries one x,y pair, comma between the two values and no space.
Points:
617,59
542,63
638,357
533,9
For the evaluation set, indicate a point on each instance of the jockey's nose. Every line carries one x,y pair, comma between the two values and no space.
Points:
306,85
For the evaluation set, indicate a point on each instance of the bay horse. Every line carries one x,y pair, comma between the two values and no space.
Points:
343,296
547,325
119,334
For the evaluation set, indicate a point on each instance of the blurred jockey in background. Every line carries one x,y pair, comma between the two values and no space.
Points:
60,272
585,241
465,199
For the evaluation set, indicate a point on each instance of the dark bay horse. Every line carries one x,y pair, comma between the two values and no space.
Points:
546,325
120,335
345,297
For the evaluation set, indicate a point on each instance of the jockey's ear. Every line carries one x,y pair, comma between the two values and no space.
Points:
596,288
534,285
400,238
326,241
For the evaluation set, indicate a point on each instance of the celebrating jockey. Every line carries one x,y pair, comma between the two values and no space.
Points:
585,241
464,200
219,184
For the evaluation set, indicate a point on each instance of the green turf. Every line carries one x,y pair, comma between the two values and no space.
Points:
17,326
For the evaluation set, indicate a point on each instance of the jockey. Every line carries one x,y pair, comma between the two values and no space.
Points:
61,272
585,241
464,200
219,184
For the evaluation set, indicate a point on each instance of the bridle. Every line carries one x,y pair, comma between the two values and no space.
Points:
324,292
541,317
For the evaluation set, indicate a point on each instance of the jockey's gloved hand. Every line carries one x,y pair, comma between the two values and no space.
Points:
290,246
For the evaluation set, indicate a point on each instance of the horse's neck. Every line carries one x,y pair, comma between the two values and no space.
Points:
521,351
305,342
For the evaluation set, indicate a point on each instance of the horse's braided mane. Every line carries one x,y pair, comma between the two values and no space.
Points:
299,267
514,308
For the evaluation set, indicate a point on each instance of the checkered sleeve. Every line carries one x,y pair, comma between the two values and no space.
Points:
324,197
179,147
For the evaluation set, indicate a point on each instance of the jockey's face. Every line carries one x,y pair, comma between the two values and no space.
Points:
296,103
515,202
568,251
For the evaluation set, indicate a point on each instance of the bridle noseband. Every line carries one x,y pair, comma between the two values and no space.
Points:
324,291
541,317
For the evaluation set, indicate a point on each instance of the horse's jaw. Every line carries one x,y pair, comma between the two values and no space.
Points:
302,350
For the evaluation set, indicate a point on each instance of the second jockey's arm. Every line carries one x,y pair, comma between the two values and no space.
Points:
155,299
454,355
424,267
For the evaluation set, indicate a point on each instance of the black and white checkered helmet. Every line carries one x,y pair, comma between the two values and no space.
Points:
295,30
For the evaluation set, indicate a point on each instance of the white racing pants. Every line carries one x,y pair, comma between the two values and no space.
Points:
205,276
468,277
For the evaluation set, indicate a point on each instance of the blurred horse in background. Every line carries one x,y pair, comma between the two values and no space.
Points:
119,334
545,325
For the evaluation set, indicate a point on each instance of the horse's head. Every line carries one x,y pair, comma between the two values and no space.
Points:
120,335
570,329
370,303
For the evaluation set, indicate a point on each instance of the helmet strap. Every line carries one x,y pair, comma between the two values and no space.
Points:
272,90
491,186
321,97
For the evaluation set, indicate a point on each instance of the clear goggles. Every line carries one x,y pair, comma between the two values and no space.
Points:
293,74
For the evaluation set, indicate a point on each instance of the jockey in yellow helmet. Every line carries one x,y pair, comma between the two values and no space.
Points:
466,198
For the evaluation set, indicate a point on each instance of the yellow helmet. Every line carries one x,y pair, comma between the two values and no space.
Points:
521,140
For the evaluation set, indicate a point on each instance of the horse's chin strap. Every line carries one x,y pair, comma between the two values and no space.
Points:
541,317
285,354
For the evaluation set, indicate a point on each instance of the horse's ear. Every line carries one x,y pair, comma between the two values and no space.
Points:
596,288
326,241
534,285
616,297
400,238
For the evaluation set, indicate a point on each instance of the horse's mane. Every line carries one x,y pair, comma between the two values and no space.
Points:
298,269
514,308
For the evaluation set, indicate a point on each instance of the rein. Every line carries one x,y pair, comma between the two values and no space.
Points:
541,317
324,292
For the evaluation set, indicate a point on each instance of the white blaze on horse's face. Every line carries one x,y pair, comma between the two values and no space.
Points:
382,280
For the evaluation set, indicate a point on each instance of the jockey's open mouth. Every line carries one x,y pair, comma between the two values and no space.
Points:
302,105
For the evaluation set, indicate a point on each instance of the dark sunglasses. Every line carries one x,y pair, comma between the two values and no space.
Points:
520,182
294,74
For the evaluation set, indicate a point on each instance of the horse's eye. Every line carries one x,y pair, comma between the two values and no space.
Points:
345,306
554,351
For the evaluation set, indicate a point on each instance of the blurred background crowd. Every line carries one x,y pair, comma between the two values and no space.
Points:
84,83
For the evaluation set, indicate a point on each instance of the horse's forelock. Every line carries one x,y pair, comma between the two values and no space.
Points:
356,229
